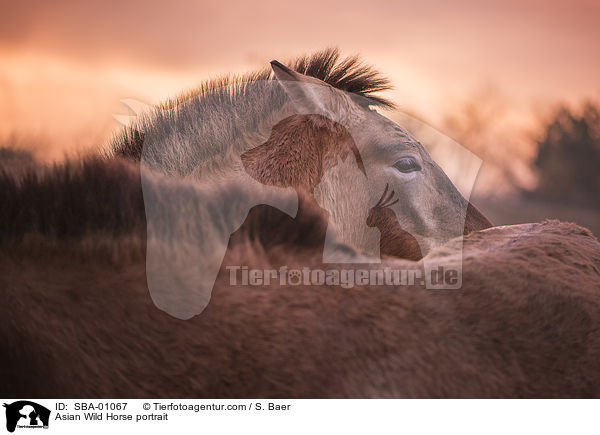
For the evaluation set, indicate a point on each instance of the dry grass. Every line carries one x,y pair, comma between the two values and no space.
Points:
89,195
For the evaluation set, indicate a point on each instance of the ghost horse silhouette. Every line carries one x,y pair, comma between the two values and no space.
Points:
283,140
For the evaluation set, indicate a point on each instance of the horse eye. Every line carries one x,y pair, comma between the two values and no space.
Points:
407,165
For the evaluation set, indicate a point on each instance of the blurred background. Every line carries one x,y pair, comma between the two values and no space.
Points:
515,82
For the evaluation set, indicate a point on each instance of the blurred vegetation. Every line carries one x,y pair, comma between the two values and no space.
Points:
72,198
15,160
17,152
481,122
7,153
568,158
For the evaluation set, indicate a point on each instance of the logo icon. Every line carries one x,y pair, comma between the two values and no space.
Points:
26,414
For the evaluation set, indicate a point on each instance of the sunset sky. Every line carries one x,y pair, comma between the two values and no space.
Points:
64,65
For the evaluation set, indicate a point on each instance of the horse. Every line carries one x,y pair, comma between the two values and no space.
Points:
285,134
81,319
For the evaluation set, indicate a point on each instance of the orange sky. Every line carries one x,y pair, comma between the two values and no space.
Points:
64,65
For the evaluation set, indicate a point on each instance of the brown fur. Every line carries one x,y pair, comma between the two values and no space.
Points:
302,148
299,151
396,242
525,324
79,322
475,220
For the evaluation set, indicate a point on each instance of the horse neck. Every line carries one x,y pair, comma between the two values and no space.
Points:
217,125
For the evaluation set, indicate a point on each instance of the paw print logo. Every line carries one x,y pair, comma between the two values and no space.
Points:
294,277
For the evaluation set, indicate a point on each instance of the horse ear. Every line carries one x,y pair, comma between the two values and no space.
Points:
309,94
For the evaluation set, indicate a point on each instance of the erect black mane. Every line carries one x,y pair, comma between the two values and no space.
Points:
349,74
